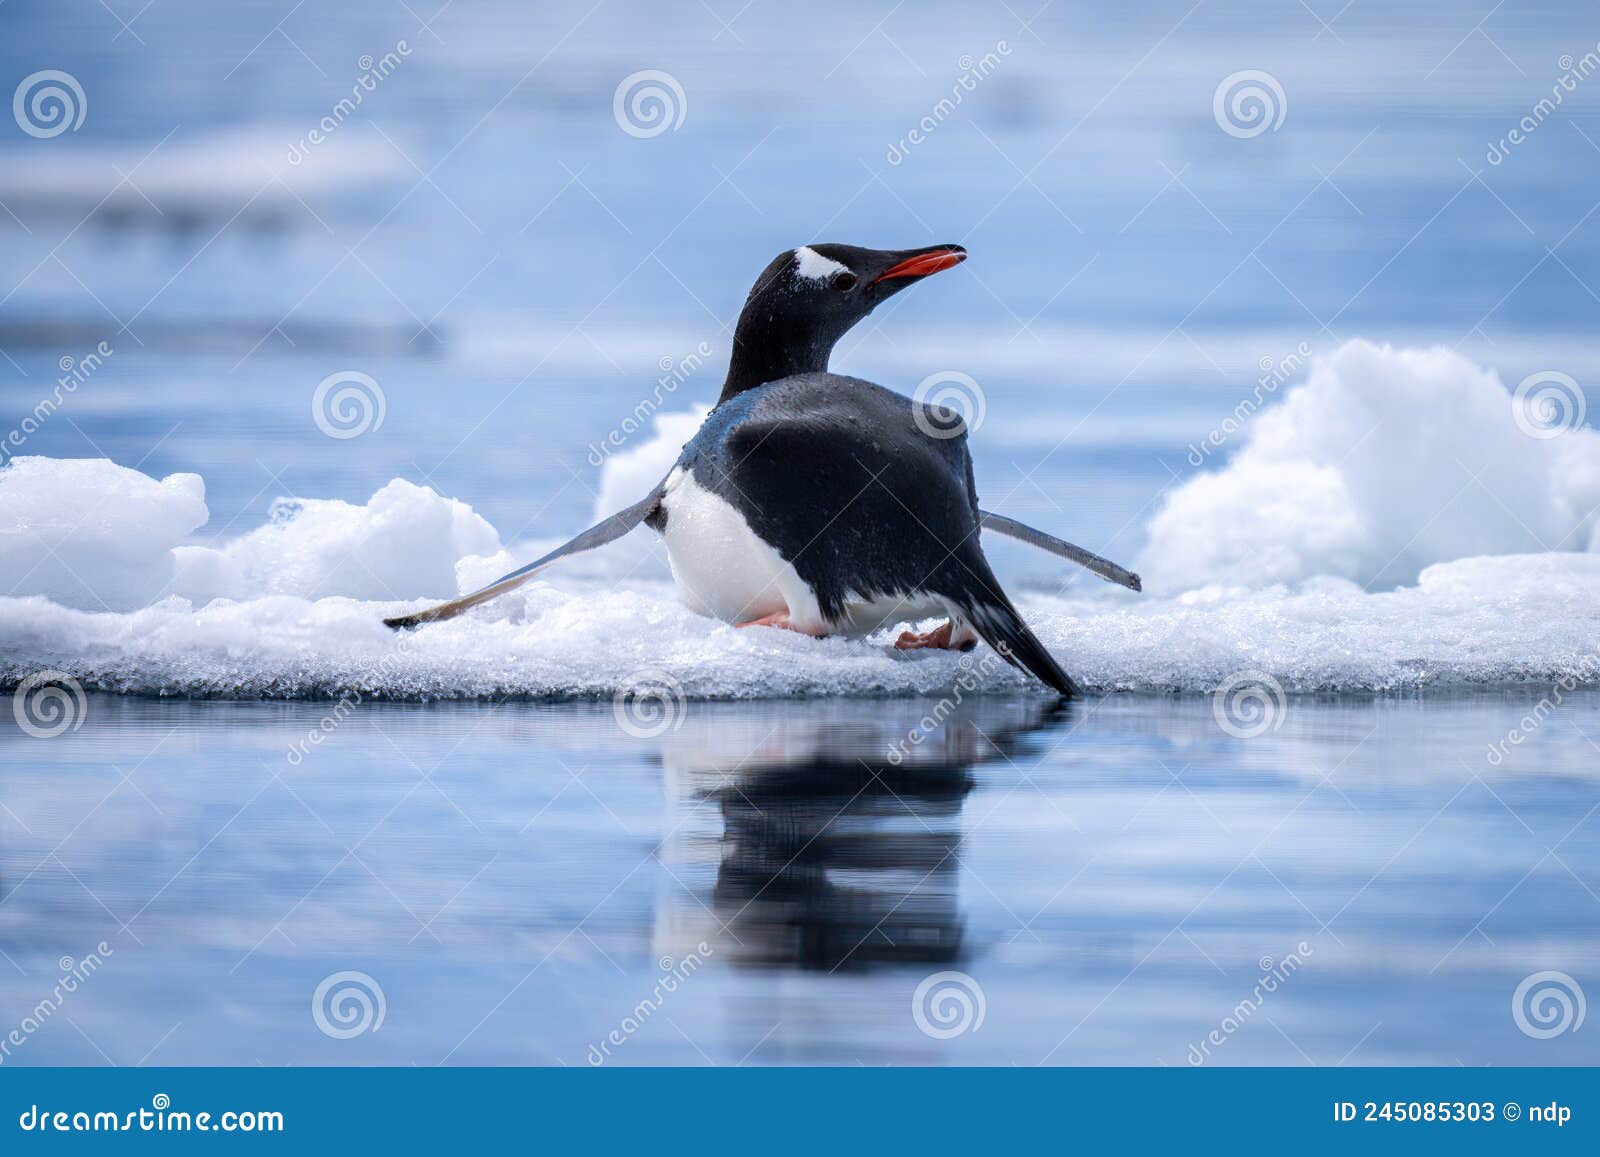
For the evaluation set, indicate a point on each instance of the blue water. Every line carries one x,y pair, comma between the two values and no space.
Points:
517,879
513,875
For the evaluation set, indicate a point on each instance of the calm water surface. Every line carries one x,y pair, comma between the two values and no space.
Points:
1111,879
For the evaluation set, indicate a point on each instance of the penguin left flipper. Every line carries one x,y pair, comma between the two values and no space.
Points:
607,530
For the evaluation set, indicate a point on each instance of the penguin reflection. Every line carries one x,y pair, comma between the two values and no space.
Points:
840,828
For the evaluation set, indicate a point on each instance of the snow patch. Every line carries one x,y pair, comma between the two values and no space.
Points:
1478,621
403,543
88,533
1383,463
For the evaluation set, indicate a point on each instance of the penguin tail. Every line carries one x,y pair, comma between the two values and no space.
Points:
999,624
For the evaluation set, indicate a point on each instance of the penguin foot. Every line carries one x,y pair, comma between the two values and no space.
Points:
944,637
781,620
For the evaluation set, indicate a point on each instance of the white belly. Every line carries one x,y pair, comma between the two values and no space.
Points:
722,568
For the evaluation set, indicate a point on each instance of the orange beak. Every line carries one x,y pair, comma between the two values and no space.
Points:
925,263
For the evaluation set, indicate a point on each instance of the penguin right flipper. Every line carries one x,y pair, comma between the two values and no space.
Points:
1103,567
607,530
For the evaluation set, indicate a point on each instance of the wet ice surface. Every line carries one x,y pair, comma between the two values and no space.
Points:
517,877
1533,618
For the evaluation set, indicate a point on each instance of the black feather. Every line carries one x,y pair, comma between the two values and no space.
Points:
1003,629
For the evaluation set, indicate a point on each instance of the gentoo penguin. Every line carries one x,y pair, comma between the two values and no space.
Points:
821,503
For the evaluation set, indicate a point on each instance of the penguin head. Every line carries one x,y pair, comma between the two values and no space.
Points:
808,298
832,287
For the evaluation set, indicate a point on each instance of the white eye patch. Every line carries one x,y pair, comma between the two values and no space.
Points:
815,266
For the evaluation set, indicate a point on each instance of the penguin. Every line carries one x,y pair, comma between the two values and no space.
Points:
826,504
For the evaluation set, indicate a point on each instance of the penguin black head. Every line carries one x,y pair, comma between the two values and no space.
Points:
810,297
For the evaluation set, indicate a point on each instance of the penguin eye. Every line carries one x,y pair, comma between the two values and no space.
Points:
843,281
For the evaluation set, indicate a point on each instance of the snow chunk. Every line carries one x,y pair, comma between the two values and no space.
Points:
1385,462
88,533
404,543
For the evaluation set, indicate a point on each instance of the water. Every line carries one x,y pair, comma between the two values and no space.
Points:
518,878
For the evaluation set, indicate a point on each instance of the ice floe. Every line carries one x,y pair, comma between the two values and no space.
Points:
1385,526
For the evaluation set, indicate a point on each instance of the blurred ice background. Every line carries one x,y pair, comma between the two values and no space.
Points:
483,239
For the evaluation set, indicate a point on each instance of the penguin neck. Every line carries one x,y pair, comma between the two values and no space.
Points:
760,356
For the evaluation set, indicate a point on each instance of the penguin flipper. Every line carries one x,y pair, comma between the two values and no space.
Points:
1105,568
607,530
